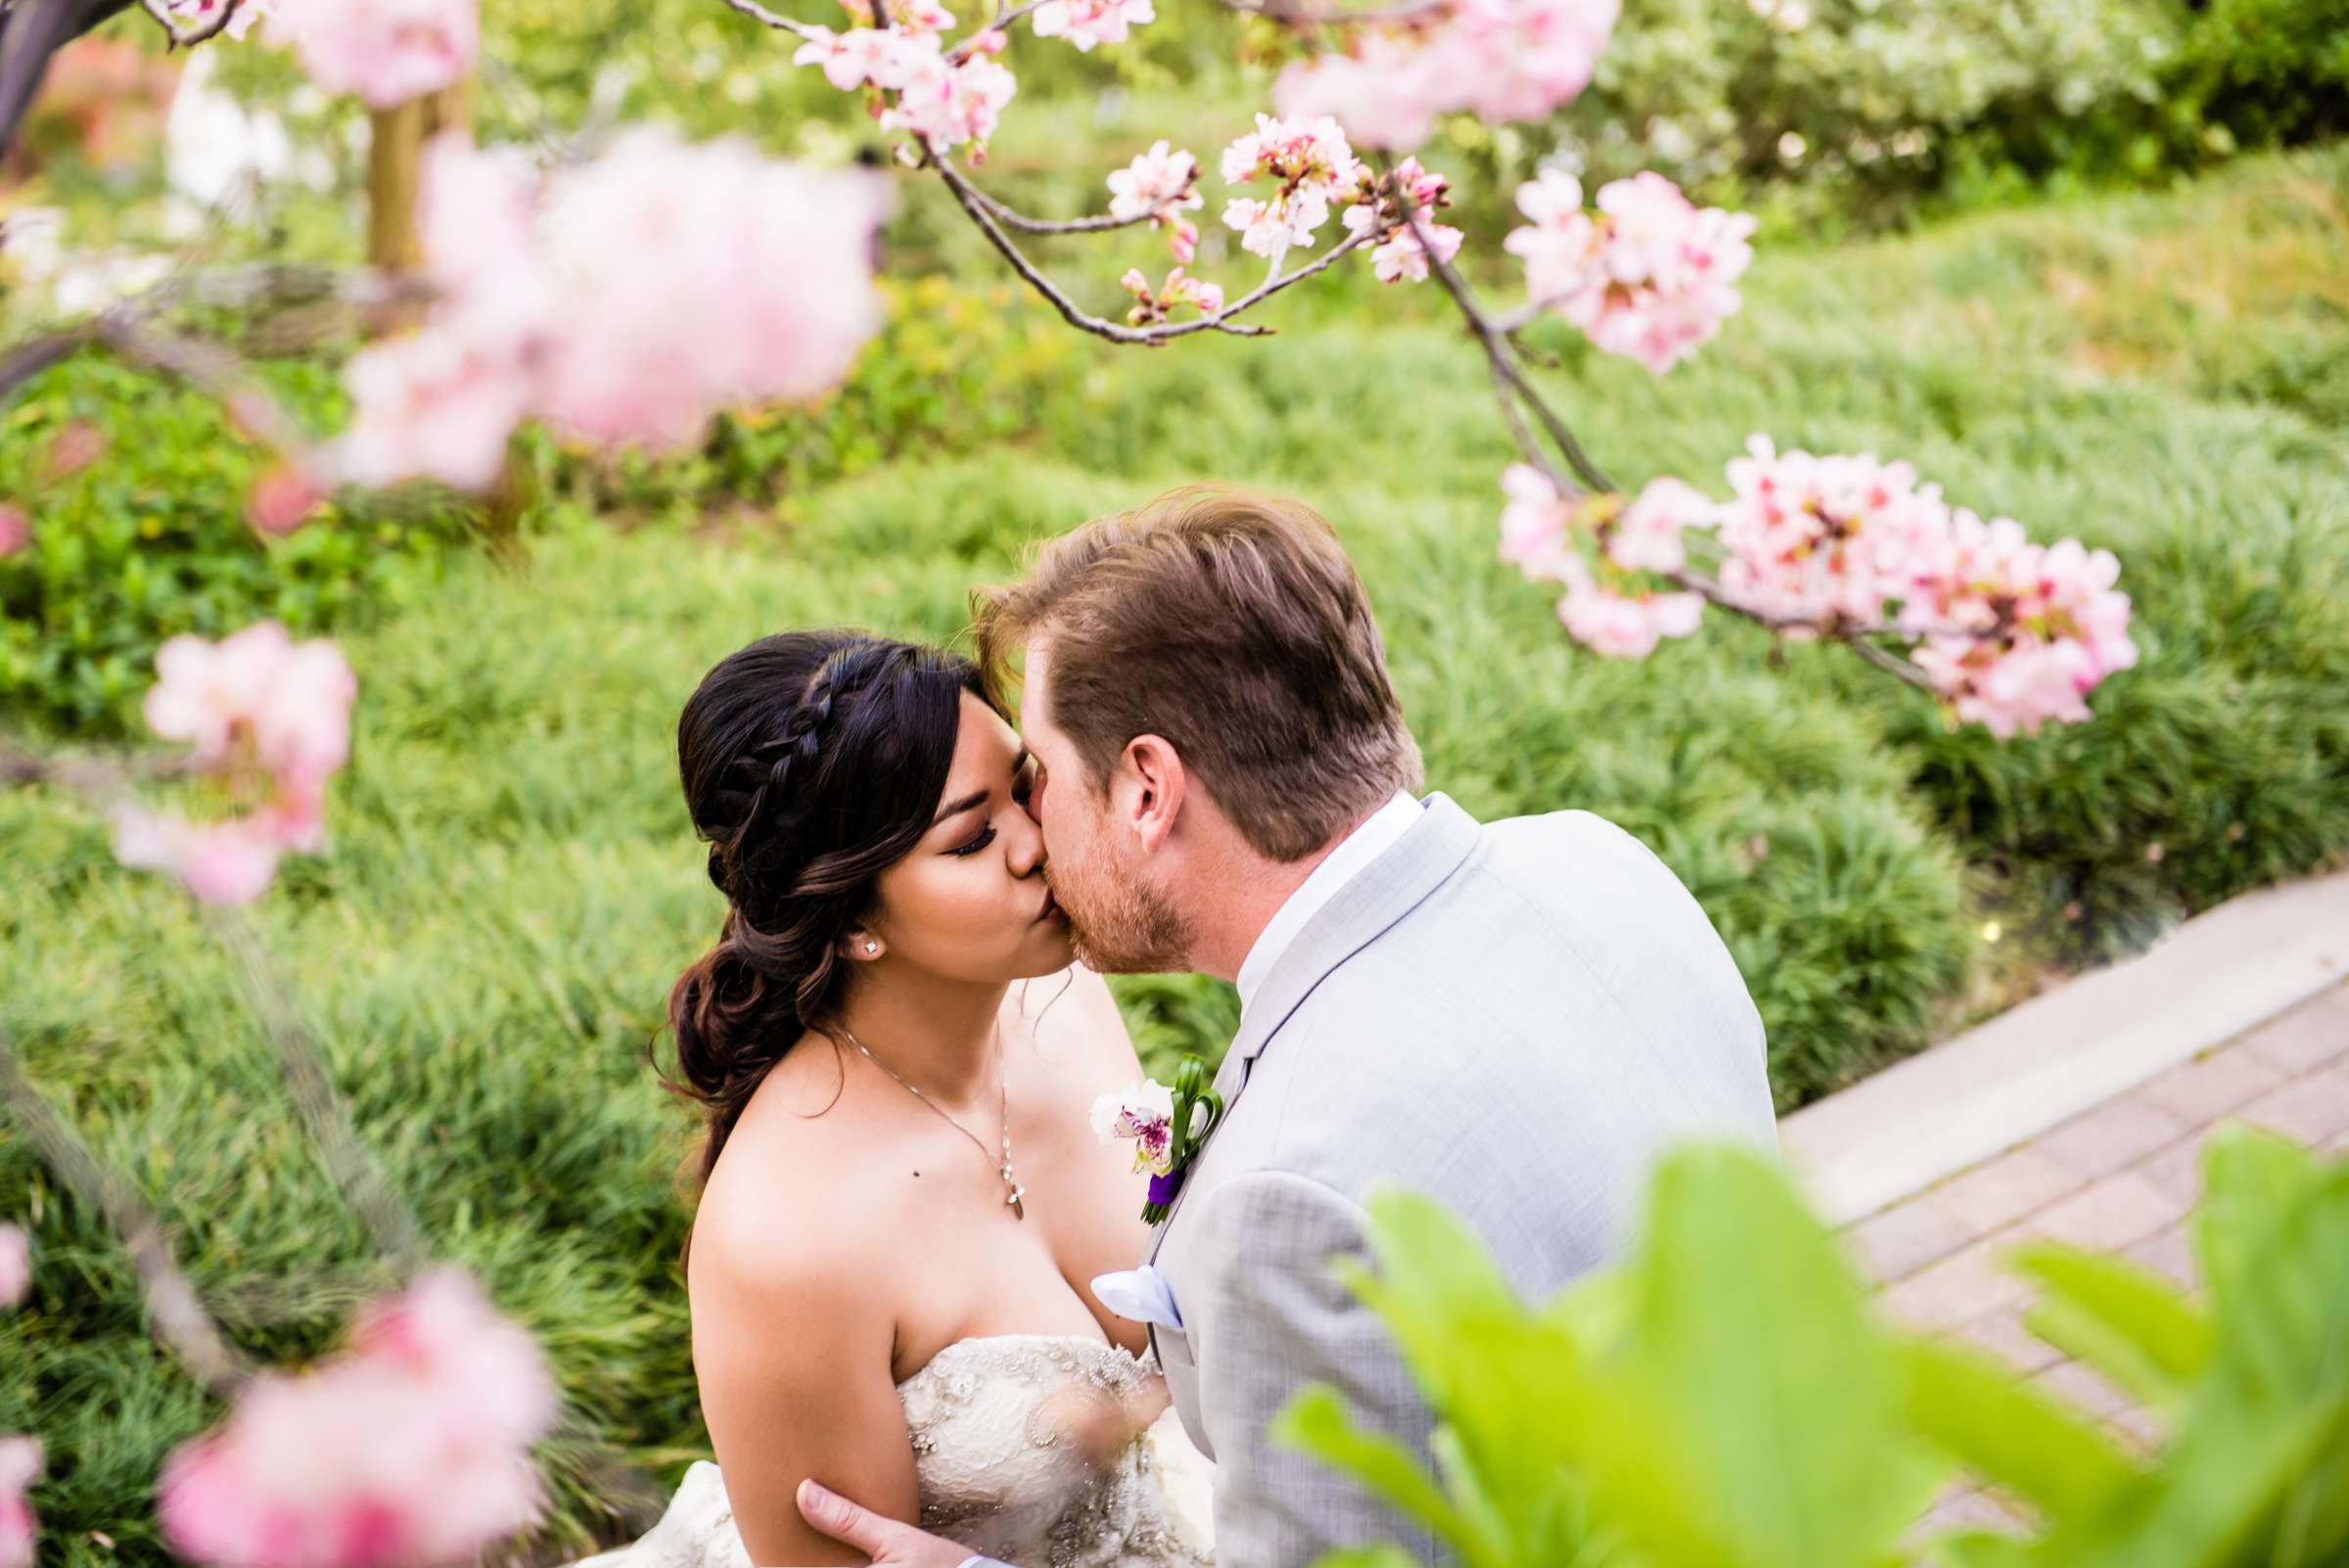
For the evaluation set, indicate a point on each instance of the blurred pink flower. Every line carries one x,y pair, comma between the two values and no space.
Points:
429,404
386,51
73,449
1086,23
411,1448
16,530
1620,625
266,713
1651,276
623,301
1502,59
16,1265
19,1468
1535,525
282,500
1646,537
226,863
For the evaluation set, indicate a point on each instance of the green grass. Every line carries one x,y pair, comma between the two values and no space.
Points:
512,887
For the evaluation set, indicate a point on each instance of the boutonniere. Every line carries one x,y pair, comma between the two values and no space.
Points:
1166,1126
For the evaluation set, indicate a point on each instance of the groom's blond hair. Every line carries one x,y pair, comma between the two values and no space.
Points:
1231,625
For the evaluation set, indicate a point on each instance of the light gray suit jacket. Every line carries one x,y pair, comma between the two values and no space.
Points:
1514,1019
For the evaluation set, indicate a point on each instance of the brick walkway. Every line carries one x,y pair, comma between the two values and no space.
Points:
2121,1178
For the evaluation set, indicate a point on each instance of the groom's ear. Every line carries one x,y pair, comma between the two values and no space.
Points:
1148,792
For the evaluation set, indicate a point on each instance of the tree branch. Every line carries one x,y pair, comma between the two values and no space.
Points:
1075,315
189,38
1305,16
768,18
175,1314
1100,224
323,1113
31,32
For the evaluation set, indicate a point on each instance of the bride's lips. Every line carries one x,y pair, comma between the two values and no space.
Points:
1051,908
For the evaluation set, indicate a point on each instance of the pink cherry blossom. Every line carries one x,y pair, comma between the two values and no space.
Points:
1086,23
1308,164
1158,182
1818,539
228,863
1503,60
1622,625
16,1265
282,500
429,405
1536,523
1649,277
271,716
884,56
623,301
16,530
948,102
2046,623
1404,255
1153,307
412,1447
1646,537
19,1468
386,51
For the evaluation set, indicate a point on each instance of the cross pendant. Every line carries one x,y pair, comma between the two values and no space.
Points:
1016,1192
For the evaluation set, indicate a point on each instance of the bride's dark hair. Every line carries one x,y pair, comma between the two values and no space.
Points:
811,761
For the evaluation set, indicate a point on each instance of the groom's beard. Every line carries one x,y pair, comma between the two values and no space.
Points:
1119,924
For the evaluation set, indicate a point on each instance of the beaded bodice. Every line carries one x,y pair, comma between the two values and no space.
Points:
998,1428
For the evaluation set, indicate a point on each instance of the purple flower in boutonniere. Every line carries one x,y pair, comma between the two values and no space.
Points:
1166,1128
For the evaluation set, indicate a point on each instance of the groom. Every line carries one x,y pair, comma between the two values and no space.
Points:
1512,1017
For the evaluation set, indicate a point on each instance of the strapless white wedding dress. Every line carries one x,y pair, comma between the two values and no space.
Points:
997,1471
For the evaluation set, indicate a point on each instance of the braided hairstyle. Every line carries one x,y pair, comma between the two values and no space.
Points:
812,760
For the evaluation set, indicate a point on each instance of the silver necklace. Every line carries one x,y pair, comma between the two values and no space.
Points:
1013,1193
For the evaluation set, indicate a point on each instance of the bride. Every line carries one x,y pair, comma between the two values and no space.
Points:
902,1198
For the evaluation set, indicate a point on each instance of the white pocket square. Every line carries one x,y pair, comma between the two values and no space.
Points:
1140,1294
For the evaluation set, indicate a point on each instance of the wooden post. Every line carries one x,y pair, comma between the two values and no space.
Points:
394,151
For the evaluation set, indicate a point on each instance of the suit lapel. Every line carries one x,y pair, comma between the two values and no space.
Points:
1374,899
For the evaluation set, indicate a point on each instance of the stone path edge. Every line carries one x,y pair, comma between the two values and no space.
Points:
2069,1049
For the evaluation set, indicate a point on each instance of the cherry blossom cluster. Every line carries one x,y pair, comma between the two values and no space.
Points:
413,1445
1162,186
385,51
1308,167
1649,275
1612,602
1401,253
946,97
2012,635
745,280
270,718
1155,305
1499,60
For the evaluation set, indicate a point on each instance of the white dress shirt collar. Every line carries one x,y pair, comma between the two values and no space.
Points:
1377,834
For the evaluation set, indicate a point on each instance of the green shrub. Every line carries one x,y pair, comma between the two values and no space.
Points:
151,540
1727,1399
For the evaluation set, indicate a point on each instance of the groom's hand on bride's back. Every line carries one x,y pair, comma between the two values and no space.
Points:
886,1542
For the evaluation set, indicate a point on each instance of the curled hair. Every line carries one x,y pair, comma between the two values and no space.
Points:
811,761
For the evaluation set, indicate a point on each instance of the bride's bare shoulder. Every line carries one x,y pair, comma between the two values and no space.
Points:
787,1205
